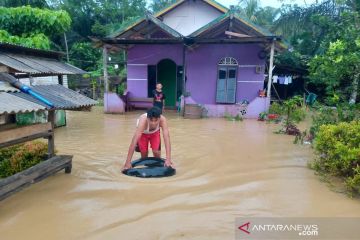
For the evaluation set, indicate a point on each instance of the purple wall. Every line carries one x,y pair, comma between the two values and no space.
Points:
140,56
202,67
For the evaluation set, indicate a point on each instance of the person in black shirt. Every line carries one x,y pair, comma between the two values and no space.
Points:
159,97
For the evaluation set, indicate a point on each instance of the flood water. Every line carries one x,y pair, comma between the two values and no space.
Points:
224,170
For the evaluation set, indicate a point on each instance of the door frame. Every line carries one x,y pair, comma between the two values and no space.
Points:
176,78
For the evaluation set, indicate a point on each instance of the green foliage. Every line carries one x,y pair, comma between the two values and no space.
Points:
17,158
99,17
158,5
338,152
290,112
343,112
26,21
18,3
84,56
293,110
37,41
338,67
276,108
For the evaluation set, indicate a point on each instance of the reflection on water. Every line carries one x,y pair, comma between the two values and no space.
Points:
224,170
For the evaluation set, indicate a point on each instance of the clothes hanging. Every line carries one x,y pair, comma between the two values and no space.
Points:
281,79
275,78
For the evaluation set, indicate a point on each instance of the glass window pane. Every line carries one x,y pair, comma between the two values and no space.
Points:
222,74
232,73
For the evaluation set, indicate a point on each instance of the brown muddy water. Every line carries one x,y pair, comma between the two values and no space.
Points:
225,170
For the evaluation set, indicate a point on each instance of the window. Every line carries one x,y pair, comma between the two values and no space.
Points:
226,83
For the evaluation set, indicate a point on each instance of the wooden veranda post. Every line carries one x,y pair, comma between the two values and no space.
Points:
106,77
184,76
51,140
271,68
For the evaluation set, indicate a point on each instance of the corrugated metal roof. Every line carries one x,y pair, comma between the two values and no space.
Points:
60,96
11,104
37,65
6,87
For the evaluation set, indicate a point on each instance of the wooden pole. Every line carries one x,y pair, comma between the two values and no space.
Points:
106,77
272,51
67,48
51,141
184,77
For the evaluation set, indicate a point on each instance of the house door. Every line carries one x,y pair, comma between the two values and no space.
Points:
166,74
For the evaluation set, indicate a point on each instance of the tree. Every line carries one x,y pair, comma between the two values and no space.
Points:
157,5
84,55
26,21
32,27
339,68
19,3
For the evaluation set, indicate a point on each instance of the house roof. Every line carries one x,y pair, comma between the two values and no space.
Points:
143,23
6,87
248,25
60,96
162,12
10,104
171,7
35,62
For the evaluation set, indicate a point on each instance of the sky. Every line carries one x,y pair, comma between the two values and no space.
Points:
273,3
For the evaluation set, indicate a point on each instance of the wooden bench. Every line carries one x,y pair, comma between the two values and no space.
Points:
136,102
21,180
12,136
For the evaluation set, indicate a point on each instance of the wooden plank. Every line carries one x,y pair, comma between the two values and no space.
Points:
19,181
239,35
132,99
25,133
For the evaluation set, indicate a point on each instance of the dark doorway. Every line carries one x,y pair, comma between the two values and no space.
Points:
166,74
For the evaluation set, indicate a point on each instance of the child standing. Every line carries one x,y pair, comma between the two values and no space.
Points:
159,97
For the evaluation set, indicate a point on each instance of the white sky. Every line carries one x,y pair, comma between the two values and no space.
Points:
273,3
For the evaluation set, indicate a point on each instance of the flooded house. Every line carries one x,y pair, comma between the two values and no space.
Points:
203,53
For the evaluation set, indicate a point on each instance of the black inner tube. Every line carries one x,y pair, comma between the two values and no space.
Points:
149,167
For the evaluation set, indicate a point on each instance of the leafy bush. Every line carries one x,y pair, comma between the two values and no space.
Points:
338,152
343,112
17,158
276,108
35,41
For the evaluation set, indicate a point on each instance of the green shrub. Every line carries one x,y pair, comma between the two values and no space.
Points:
276,108
338,152
17,158
343,112
291,112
